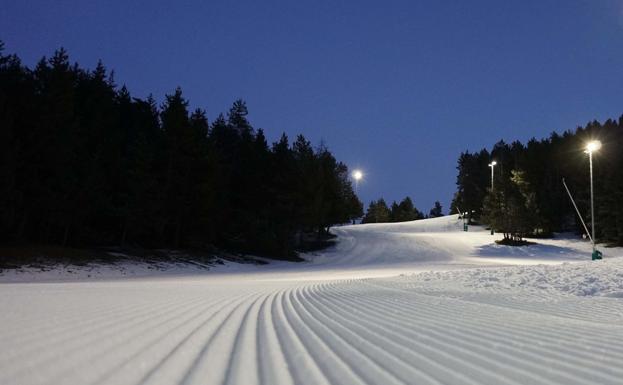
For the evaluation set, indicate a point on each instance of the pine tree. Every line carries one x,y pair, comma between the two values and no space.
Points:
509,208
237,118
378,212
472,182
436,211
177,177
405,211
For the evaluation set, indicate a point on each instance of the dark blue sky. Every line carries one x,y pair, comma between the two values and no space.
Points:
398,88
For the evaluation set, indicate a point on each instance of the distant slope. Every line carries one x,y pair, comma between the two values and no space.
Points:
448,223
437,241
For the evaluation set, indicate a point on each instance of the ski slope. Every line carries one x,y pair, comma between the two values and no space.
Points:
415,303
438,244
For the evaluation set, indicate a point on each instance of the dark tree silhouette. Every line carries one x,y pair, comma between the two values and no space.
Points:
528,183
82,163
436,211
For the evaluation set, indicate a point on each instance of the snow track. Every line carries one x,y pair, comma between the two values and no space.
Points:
361,331
558,324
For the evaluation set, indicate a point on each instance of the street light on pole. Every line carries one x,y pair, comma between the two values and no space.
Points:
591,147
492,165
357,175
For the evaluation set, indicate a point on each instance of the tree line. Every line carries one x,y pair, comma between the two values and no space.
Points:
379,212
85,163
528,197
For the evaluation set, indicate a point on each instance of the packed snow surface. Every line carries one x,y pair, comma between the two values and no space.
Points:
414,303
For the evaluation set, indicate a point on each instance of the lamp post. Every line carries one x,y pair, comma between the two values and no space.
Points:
357,175
590,148
492,165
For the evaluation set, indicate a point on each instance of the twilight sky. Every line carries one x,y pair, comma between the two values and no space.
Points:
397,88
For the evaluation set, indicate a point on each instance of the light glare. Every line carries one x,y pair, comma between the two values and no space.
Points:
357,174
593,146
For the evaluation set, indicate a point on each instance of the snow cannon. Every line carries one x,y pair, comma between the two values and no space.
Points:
597,255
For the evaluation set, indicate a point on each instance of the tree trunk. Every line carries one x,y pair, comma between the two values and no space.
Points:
178,229
22,225
66,234
124,233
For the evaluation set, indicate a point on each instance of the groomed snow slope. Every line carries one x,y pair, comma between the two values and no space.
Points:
439,242
528,324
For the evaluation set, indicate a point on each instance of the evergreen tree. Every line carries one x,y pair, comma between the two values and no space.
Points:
436,211
405,211
473,180
378,212
237,119
137,191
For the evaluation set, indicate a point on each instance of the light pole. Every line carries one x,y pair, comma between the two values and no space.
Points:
590,148
492,165
357,175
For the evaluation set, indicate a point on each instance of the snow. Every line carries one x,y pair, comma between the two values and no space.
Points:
92,271
419,302
603,278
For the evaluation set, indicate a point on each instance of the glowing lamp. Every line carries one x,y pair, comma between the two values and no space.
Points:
593,146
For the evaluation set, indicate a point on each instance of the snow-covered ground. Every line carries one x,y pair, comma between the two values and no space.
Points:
413,303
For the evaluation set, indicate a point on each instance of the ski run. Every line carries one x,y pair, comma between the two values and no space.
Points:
410,303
